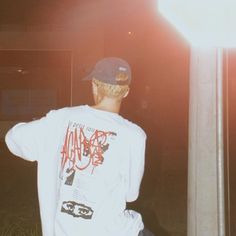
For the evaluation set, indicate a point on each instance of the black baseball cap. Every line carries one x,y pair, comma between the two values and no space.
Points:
111,70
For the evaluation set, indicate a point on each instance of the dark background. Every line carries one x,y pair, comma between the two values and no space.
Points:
47,47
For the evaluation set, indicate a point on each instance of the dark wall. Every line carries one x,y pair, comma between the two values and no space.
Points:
158,100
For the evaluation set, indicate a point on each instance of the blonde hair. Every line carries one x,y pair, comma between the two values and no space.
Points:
110,90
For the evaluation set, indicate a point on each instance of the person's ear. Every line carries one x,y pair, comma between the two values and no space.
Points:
95,88
126,94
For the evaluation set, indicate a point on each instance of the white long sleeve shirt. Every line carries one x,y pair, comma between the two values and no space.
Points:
90,163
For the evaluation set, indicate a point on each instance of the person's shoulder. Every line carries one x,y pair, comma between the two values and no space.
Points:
65,111
135,129
57,112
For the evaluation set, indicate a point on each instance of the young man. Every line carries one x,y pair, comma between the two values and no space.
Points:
90,160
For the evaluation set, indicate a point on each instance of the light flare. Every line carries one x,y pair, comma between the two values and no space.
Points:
209,23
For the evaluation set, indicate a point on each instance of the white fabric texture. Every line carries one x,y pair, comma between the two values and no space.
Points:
90,163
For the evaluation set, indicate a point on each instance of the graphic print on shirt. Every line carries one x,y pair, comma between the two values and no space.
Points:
83,149
77,210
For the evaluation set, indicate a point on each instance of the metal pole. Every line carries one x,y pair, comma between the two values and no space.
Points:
202,171
220,144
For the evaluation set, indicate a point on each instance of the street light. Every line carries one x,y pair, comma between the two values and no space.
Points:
207,24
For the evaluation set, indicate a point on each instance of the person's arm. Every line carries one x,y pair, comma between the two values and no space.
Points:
25,139
136,165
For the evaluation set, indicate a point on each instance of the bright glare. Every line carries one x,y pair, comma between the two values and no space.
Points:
203,22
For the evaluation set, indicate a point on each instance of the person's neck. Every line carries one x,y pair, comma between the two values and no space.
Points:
109,105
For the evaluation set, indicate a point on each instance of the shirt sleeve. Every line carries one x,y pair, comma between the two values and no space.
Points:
26,139
136,165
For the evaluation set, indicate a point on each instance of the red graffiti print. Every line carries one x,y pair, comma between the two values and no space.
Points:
79,151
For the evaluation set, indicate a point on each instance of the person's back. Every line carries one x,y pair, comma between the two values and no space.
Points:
102,165
90,162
